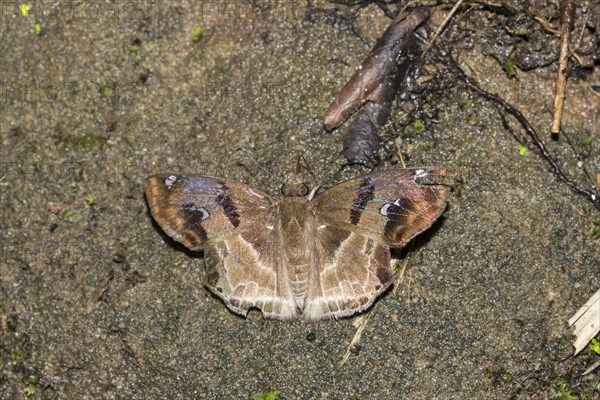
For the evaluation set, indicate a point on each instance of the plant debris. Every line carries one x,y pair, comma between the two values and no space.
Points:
504,105
390,67
561,79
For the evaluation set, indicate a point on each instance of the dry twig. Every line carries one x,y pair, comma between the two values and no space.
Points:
400,277
546,25
561,79
360,323
442,26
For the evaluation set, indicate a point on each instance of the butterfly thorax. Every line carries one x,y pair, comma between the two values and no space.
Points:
295,223
294,187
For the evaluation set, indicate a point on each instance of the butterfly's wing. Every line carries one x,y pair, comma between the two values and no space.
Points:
349,272
233,224
384,209
195,210
389,206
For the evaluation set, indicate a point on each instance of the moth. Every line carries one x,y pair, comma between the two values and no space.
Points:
305,256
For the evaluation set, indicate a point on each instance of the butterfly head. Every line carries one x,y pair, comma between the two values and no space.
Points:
294,186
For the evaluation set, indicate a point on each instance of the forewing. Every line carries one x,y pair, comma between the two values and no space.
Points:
389,207
197,209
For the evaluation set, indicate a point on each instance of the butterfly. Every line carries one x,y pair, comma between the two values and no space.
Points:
305,256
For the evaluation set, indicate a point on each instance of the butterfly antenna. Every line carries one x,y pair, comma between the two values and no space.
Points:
306,166
269,173
314,182
332,177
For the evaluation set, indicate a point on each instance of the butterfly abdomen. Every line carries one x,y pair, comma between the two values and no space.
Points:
294,220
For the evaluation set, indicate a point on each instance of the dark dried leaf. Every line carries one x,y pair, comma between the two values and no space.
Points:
360,139
379,68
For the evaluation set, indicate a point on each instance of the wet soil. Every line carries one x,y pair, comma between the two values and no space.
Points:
96,302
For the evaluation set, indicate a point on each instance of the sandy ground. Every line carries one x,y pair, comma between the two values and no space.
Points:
97,303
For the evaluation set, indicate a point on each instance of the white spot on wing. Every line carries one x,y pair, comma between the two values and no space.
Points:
420,173
205,214
384,209
170,181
